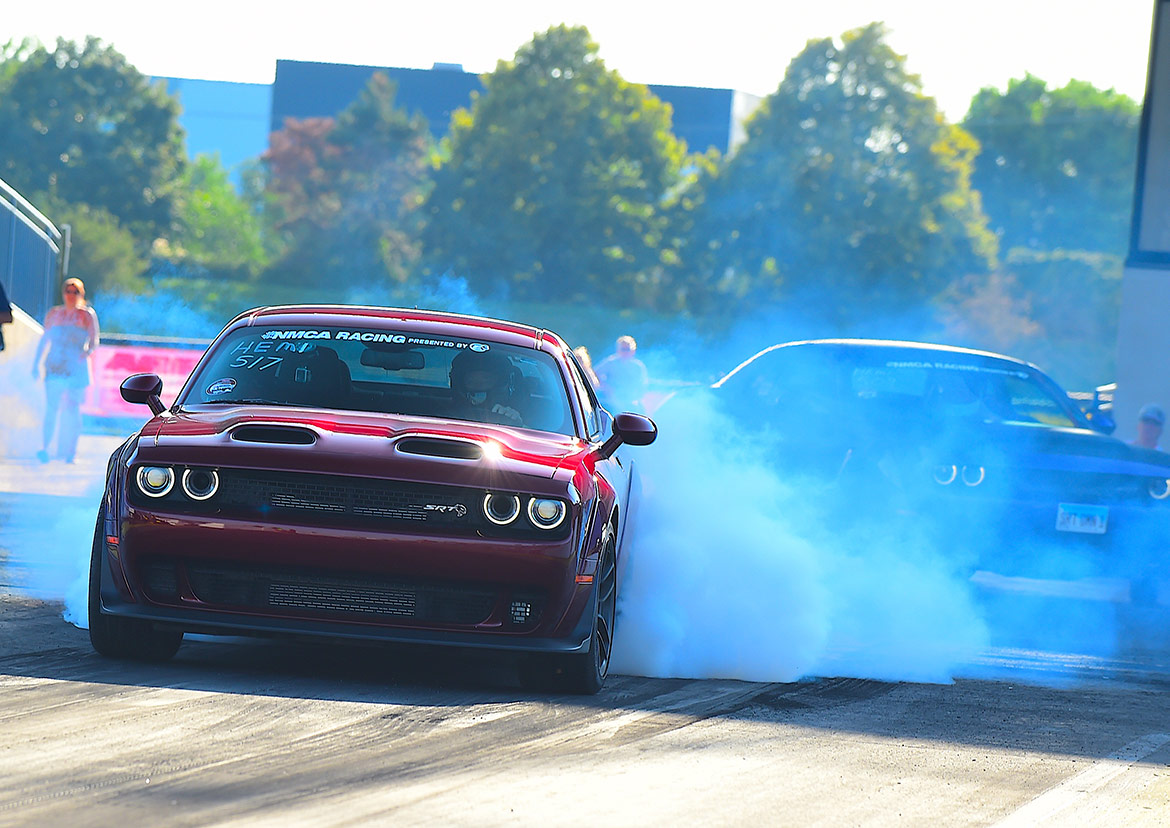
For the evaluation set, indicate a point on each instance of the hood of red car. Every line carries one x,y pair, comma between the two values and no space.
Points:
357,443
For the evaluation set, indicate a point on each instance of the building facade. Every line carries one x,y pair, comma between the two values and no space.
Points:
234,120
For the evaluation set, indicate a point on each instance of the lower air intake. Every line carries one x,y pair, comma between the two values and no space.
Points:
356,596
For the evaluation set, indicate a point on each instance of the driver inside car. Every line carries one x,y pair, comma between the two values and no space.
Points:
483,387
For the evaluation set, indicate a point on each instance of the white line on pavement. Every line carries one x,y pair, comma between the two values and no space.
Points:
1077,789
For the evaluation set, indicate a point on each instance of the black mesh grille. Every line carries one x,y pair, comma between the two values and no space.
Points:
161,581
311,494
352,595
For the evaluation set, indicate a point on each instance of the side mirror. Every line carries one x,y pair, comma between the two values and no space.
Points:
632,429
1099,412
1101,420
144,389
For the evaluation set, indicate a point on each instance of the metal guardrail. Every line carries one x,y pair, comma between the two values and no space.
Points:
34,254
1102,395
147,339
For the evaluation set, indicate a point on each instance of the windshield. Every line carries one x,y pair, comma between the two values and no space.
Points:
385,372
958,390
826,384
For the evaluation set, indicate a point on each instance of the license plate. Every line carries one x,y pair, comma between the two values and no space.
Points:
1081,517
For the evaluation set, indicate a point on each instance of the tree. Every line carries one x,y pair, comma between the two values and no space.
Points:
1057,166
345,194
555,179
1058,309
384,169
850,192
103,254
81,125
214,227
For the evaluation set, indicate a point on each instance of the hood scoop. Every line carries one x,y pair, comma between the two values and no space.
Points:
433,447
274,434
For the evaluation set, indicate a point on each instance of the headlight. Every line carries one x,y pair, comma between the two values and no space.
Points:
973,475
546,513
945,475
501,509
1159,489
155,481
200,484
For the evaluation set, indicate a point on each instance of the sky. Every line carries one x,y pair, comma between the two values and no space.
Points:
957,49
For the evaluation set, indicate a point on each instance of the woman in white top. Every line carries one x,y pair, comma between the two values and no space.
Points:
71,335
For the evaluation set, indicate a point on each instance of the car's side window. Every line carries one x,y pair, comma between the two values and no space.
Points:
589,405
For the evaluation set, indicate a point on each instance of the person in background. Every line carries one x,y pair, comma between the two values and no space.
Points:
586,362
622,377
5,315
70,338
1151,419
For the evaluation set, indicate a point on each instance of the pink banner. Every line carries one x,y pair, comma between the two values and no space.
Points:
113,363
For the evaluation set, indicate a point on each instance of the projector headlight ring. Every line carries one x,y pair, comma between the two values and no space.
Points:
200,484
546,512
973,475
155,481
945,475
501,509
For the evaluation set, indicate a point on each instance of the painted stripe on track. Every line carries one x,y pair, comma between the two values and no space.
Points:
1076,790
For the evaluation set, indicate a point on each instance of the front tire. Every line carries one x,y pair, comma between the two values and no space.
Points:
585,673
582,673
122,638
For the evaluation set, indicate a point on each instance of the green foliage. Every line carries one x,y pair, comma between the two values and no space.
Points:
850,192
1076,300
103,254
214,226
989,312
555,180
1057,309
82,125
1057,166
344,194
12,55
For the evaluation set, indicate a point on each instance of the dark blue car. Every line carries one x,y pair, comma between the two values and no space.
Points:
982,454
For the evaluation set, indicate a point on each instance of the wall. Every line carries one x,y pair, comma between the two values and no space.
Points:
1143,338
21,400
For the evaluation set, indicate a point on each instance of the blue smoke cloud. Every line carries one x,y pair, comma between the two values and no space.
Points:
729,578
159,314
732,570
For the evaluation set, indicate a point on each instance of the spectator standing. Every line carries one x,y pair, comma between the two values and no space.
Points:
586,362
622,377
71,336
1151,419
5,314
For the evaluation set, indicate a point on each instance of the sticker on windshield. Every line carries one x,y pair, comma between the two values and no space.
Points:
478,347
221,386
957,366
285,338
299,334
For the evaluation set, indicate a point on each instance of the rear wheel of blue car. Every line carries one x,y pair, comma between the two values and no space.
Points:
584,673
114,637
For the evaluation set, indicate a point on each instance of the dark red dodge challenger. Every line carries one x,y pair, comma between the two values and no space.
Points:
371,473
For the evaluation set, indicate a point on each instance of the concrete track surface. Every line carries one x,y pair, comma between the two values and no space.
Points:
243,732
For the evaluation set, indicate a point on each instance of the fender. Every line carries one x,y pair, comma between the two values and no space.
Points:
112,509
